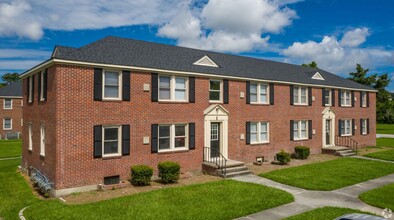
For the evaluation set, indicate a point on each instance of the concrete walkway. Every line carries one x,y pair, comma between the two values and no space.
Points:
10,158
384,135
375,159
306,200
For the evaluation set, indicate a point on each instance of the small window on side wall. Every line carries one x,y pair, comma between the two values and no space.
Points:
7,124
7,103
215,90
30,84
327,97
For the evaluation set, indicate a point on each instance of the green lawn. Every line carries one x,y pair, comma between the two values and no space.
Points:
385,129
10,148
332,174
381,197
385,142
384,155
324,213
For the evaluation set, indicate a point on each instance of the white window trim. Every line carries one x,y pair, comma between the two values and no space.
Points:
364,129
120,81
298,101
344,127
329,98
172,89
30,136
259,93
259,133
119,153
42,140
364,99
7,129
42,86
4,107
299,138
172,138
343,98
30,92
220,92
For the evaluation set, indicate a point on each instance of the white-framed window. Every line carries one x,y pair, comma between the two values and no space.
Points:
112,85
364,124
327,97
30,136
173,88
346,98
215,90
42,98
42,140
7,124
259,93
30,92
259,132
172,137
300,130
363,99
300,95
346,127
112,143
7,104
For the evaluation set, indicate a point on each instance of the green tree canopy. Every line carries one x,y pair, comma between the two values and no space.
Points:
313,64
9,78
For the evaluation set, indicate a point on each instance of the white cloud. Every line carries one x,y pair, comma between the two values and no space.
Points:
18,64
355,37
23,53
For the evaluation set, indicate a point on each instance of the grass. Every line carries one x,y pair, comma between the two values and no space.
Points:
324,213
385,129
381,197
383,155
330,175
385,142
10,148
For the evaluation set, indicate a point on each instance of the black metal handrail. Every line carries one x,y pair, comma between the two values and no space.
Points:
346,141
220,161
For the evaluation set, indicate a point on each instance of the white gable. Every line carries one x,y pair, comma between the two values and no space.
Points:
317,76
206,61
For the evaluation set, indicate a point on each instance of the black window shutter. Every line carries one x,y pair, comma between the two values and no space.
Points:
247,132
367,93
310,129
39,87
310,96
368,126
291,95
98,140
192,89
154,133
125,140
225,91
353,98
361,126
361,99
192,136
98,84
353,127
155,87
323,93
247,92
272,94
339,97
332,97
291,130
126,85
339,127
45,87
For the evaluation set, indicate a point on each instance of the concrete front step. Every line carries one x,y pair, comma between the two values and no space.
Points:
233,168
339,151
347,154
238,173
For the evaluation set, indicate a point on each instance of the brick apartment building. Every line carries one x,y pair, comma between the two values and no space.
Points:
93,112
11,103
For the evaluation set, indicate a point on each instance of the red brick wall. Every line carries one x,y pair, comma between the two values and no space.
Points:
15,114
72,113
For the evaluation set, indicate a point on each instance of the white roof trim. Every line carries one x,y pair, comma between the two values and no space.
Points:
318,76
205,61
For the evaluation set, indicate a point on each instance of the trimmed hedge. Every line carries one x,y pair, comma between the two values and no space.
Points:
141,175
169,171
283,157
302,152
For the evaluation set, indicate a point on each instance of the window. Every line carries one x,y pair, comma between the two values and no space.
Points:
7,103
215,93
42,140
327,97
300,129
30,81
172,88
345,98
363,99
7,124
346,127
42,86
112,82
172,137
300,95
364,125
259,132
259,93
30,136
111,141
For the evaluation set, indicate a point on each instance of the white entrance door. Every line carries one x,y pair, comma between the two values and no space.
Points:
216,132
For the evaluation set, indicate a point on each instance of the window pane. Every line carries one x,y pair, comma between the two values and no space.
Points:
263,136
263,98
180,142
180,95
253,127
253,138
111,78
295,129
263,127
303,125
295,94
214,85
111,147
263,89
7,103
111,91
164,131
179,130
164,82
253,97
111,134
180,83
164,94
303,91
253,88
303,134
164,143
214,96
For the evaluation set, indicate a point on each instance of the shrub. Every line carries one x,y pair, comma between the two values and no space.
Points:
141,175
169,171
302,152
283,157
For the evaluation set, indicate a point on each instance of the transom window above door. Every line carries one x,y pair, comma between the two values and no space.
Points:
259,93
215,90
172,88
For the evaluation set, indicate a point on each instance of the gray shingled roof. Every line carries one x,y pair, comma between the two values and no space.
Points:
129,52
13,89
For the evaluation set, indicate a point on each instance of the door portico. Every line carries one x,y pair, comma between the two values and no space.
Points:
216,129
328,127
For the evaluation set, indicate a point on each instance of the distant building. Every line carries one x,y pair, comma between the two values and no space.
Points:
11,110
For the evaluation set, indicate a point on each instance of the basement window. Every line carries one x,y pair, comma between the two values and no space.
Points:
109,180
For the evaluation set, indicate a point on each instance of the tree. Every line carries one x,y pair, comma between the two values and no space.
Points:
313,64
9,78
361,76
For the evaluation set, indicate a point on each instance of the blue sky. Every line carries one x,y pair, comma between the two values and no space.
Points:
337,34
